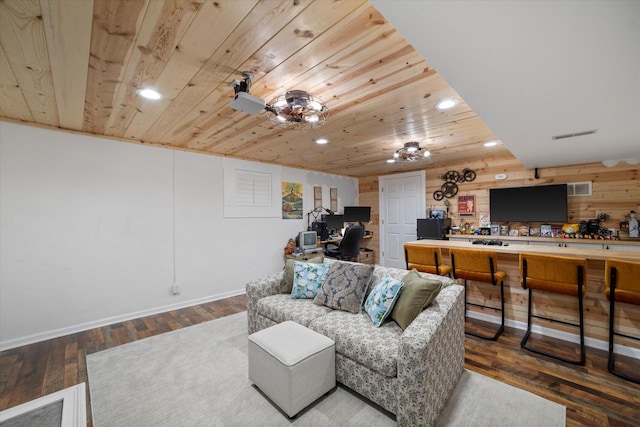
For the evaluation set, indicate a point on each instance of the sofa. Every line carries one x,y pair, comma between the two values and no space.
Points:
410,373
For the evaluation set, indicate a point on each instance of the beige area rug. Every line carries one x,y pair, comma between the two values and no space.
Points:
197,376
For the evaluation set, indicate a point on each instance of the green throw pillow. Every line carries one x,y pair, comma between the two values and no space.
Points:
417,294
287,285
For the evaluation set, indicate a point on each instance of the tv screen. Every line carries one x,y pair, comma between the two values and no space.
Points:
357,213
431,228
542,203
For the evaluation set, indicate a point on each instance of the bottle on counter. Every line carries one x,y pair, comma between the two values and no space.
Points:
633,226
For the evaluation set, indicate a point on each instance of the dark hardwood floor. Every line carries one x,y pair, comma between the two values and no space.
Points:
592,395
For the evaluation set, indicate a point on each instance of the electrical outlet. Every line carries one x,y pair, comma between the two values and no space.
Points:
176,288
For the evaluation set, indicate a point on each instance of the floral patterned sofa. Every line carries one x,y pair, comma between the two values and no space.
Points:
410,373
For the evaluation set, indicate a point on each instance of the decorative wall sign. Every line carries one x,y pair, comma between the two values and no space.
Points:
467,206
291,200
317,197
333,193
451,180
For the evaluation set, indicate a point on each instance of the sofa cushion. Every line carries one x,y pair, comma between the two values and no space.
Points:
417,294
345,286
287,283
357,338
281,308
307,278
382,298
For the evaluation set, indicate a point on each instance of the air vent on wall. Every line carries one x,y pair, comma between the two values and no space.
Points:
571,135
579,188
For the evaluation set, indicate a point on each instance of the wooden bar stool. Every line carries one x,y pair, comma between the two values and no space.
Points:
560,275
427,259
481,266
622,280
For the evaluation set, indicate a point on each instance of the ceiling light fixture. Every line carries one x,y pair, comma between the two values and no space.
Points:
446,104
322,141
298,109
409,153
149,93
491,143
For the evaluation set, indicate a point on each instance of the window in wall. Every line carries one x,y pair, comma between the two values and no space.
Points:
251,190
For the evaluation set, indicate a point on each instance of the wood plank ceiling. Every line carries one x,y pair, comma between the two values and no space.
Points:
76,64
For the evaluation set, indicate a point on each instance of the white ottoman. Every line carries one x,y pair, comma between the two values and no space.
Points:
292,365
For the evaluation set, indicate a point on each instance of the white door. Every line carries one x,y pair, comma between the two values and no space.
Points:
402,201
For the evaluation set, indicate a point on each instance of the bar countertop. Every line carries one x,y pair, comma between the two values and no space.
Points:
515,248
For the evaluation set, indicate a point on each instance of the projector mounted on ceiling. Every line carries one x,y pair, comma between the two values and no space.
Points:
243,100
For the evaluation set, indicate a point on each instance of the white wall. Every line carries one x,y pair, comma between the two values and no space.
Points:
87,231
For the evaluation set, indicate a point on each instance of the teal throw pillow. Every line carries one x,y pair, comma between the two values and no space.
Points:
382,298
307,279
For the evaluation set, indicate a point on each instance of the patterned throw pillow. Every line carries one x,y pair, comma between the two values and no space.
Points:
382,298
307,278
287,284
345,286
417,294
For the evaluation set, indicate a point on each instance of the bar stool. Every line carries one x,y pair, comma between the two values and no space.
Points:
560,275
481,266
427,259
622,281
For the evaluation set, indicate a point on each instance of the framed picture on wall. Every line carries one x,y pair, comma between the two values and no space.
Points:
317,197
467,206
333,195
291,200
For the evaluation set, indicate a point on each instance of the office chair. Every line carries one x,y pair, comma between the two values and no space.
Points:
349,246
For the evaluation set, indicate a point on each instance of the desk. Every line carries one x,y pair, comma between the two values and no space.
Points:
596,305
304,257
336,241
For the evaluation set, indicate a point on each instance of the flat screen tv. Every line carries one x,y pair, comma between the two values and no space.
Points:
357,213
541,203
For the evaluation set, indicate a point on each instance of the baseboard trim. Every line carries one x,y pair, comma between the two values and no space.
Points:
56,333
553,333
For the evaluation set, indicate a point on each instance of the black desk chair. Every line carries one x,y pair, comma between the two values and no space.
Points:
349,246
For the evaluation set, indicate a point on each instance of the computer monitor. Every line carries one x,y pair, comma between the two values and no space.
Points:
307,240
357,214
334,222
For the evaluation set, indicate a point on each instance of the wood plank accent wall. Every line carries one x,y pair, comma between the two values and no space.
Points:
616,190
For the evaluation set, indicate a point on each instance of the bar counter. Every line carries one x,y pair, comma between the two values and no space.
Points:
562,307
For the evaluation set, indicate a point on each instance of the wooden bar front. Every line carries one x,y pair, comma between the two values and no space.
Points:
556,306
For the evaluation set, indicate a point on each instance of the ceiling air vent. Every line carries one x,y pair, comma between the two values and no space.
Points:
571,135
579,188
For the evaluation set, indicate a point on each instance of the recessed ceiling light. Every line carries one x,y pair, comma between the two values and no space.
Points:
491,143
446,104
321,141
149,93
391,160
